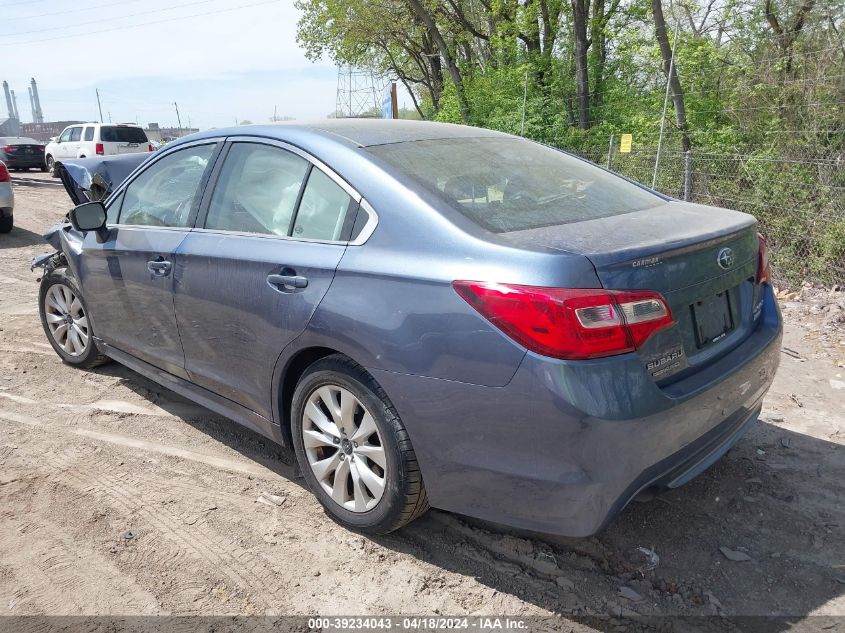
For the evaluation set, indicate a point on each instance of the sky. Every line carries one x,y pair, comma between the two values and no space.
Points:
221,61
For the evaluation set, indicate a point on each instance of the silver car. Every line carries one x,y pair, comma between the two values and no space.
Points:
7,200
427,314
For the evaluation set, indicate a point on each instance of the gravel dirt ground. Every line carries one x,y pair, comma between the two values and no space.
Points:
119,497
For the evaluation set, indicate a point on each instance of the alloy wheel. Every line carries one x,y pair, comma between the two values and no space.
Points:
344,448
66,319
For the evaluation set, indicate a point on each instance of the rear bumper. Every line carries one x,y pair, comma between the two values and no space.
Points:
24,161
565,446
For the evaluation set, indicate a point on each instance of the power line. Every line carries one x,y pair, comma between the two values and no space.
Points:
20,4
140,24
109,19
65,12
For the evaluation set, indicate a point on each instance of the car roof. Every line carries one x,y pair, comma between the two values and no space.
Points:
358,132
106,124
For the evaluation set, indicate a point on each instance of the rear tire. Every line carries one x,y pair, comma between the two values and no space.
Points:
353,449
6,224
64,318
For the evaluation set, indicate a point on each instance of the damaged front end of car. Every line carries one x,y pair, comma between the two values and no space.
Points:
85,180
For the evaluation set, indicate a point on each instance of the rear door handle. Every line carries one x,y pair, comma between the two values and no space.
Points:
287,282
160,267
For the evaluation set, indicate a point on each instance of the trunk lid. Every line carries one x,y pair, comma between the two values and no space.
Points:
703,260
25,150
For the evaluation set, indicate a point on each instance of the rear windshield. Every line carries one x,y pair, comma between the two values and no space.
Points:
19,140
510,184
115,134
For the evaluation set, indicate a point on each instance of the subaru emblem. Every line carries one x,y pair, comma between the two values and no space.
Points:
725,258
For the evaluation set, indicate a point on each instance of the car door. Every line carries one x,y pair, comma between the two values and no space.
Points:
127,279
71,148
63,145
270,236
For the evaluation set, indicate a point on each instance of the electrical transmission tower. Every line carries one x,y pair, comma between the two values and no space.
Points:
358,93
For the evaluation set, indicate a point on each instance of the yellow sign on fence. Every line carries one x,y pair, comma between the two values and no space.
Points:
625,144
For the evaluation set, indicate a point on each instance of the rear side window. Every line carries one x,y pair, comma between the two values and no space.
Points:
510,184
323,209
89,134
119,134
257,190
167,191
75,133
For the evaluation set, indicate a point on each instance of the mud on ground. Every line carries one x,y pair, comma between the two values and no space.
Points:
119,497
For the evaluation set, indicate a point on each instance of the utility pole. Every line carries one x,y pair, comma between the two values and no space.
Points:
109,113
99,105
178,118
665,103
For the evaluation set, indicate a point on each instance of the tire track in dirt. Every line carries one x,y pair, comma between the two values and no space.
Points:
63,574
220,554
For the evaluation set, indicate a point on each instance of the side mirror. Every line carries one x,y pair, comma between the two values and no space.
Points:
90,216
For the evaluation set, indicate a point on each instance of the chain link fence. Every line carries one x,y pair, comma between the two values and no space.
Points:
798,197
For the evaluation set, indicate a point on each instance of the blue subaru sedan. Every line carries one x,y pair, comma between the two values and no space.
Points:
428,314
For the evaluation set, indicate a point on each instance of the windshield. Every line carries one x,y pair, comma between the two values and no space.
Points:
511,184
116,134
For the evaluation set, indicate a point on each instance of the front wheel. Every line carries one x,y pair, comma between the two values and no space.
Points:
51,166
6,223
65,320
353,449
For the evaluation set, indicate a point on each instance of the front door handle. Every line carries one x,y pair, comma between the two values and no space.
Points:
159,267
287,282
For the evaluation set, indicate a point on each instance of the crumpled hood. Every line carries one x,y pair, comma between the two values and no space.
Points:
89,179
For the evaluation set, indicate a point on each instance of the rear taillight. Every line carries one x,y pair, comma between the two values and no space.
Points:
764,269
150,147
40,148
99,149
4,173
569,323
8,148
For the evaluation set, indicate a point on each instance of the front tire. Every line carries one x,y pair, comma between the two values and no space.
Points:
353,449
6,224
51,166
64,318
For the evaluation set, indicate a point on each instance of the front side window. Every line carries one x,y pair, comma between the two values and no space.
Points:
75,133
323,209
65,137
89,134
165,193
511,184
257,190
